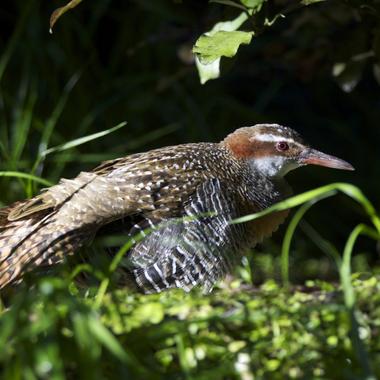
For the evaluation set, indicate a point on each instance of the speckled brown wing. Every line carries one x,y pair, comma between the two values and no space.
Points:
63,217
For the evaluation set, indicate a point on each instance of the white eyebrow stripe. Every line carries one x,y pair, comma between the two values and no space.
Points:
272,138
269,137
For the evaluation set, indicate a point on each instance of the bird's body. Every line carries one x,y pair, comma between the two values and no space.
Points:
184,195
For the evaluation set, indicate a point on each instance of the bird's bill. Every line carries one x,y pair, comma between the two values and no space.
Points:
314,157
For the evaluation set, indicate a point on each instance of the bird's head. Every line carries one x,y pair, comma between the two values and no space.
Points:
274,150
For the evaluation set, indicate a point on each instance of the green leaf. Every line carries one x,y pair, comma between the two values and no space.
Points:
152,312
229,3
108,340
222,40
254,4
310,2
60,11
221,44
105,337
207,72
348,74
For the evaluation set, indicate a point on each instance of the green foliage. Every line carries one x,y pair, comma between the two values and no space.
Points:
211,46
220,44
61,11
235,332
222,40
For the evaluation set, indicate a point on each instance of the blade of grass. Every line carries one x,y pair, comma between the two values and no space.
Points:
135,144
349,297
289,236
82,140
106,338
345,268
22,124
27,176
326,191
53,119
114,263
49,128
183,359
323,244
288,239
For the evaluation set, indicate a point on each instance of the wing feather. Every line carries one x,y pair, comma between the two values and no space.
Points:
198,249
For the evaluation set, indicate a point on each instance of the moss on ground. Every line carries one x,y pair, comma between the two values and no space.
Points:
237,332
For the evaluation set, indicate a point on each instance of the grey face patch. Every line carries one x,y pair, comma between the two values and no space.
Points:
274,166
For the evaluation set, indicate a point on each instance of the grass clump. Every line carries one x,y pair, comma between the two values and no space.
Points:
238,331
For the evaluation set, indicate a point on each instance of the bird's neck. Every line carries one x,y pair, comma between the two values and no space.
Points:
254,185
265,191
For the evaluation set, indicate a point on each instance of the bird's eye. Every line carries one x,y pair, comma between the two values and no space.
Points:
281,146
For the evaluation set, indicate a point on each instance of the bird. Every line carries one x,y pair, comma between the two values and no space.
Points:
179,200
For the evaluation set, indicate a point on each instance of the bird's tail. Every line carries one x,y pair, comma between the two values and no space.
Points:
31,241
